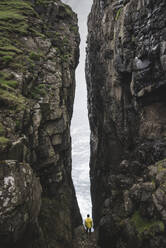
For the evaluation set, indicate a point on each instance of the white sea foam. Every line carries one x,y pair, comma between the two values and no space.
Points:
80,171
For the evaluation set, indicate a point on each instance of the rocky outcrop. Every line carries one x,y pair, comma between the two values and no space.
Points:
38,57
126,80
20,200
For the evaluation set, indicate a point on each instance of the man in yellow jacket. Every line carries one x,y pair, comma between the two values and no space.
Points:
88,224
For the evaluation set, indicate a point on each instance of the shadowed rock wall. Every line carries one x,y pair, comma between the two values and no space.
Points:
38,57
126,80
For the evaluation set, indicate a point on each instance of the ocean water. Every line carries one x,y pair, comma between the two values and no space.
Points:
80,132
80,166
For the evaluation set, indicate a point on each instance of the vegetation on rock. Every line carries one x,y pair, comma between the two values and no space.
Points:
38,56
145,226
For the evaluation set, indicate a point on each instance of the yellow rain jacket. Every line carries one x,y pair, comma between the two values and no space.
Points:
88,222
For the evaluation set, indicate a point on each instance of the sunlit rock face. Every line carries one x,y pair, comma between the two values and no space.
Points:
126,80
38,57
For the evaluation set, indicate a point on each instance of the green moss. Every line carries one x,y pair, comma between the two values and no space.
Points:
153,182
2,130
9,15
3,141
10,48
13,23
7,58
4,41
65,57
118,13
8,52
65,41
20,6
36,33
160,164
145,225
13,16
161,224
11,99
5,75
38,91
68,10
7,81
15,20
10,83
16,66
74,29
28,63
35,56
8,28
18,125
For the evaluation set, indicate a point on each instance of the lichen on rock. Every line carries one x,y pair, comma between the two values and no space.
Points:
20,201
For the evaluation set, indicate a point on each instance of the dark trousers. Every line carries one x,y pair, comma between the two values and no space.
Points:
88,230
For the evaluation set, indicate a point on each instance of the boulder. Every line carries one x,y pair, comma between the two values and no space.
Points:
20,201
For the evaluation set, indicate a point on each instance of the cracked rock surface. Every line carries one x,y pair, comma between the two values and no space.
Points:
126,81
20,200
39,52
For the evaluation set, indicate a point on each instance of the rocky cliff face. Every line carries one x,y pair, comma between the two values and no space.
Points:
126,79
38,56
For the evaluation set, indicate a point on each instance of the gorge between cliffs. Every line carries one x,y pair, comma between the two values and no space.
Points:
126,84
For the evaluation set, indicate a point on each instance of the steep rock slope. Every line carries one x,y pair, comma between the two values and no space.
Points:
126,80
38,55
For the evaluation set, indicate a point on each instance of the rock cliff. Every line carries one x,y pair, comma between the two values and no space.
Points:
126,81
38,56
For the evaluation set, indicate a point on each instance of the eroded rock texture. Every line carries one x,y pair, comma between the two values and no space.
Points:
20,200
126,79
38,56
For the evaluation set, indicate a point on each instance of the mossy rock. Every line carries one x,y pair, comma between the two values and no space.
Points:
38,92
74,28
118,13
11,100
68,10
2,129
9,48
6,58
146,227
4,141
7,81
18,125
16,21
35,56
161,165
13,16
10,83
